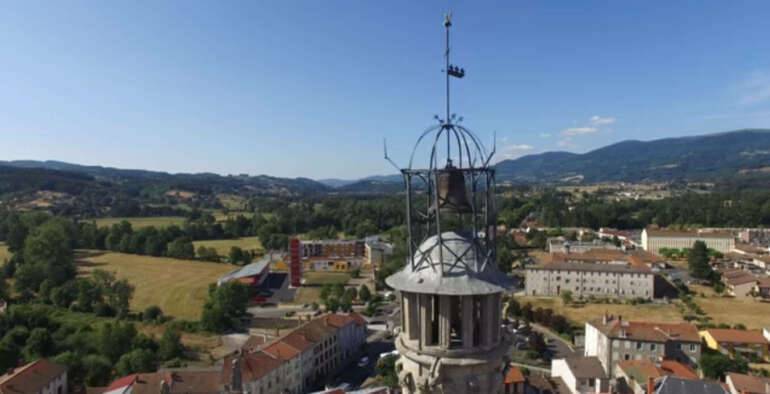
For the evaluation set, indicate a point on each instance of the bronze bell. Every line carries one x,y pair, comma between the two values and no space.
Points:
452,196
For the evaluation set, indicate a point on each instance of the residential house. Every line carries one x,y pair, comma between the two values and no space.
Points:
581,375
639,376
746,384
739,283
41,376
751,344
762,288
612,339
167,382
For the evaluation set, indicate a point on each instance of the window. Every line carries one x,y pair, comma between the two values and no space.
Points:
627,356
652,347
692,347
638,346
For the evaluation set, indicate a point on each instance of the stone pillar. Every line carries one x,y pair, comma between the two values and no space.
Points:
496,312
444,320
487,313
467,305
426,319
405,314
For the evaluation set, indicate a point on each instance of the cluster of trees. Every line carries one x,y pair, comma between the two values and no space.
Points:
544,316
40,321
94,353
737,208
225,308
336,297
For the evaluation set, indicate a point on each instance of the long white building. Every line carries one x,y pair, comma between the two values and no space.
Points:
653,240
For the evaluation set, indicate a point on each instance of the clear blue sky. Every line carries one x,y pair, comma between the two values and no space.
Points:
292,88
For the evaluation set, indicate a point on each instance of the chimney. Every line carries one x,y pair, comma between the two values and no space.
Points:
650,385
235,379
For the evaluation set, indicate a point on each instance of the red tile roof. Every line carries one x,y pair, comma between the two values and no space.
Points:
671,367
281,350
648,331
747,384
514,375
31,377
253,366
727,335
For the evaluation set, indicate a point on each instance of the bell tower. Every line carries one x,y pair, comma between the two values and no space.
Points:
451,339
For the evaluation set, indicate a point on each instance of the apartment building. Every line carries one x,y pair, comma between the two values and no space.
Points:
293,363
616,280
654,239
612,339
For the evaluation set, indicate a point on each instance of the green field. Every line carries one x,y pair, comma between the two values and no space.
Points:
4,253
178,287
325,278
137,223
223,245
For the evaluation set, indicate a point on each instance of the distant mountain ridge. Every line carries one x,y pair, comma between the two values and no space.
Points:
259,184
695,158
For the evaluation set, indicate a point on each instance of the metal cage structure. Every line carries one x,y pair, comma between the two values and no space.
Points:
473,183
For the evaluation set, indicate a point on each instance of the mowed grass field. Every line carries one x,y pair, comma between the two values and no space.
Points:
729,310
325,278
582,313
178,287
140,222
4,253
223,245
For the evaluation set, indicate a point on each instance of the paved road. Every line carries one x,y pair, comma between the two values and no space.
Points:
558,346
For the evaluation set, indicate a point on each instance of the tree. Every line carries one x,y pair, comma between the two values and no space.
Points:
338,290
351,292
153,313
364,294
99,370
207,254
698,261
566,297
47,255
332,304
716,365
346,303
9,355
170,345
115,339
120,297
225,306
181,248
239,256
138,360
39,344
386,368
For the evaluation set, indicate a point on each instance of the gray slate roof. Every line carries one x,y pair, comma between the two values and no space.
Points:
674,385
455,264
